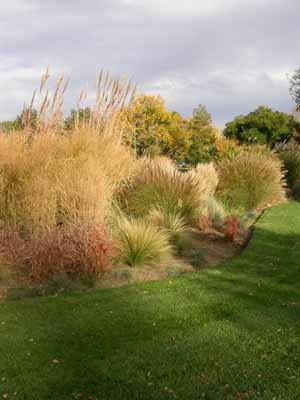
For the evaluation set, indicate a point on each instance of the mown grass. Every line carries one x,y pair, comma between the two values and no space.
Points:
226,333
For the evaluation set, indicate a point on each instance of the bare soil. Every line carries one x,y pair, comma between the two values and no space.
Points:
205,249
215,247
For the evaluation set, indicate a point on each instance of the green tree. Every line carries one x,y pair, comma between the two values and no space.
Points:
295,88
203,137
83,114
28,118
201,117
262,126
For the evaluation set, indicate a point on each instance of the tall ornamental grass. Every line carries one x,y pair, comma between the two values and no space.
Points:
289,153
57,187
159,185
52,179
251,180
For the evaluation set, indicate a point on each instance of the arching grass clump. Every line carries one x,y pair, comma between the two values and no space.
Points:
251,180
289,153
174,225
213,209
141,243
159,185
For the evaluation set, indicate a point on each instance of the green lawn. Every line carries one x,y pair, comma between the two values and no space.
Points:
226,333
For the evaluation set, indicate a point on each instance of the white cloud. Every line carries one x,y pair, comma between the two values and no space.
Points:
226,92
17,85
14,7
231,55
192,7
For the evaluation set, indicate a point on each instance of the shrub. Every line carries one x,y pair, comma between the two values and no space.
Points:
231,227
76,252
141,243
296,191
175,225
251,180
214,211
289,153
159,185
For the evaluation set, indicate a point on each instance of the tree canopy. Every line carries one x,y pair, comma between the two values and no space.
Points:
79,115
203,138
152,129
27,117
262,126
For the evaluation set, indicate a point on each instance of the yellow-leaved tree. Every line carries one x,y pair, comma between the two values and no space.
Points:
152,129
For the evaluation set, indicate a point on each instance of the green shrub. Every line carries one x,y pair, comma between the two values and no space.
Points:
251,180
289,153
141,243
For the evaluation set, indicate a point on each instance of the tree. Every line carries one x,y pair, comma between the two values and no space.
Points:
201,117
83,114
262,126
28,118
153,130
295,88
203,138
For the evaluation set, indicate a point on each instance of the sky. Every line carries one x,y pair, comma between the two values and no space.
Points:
231,55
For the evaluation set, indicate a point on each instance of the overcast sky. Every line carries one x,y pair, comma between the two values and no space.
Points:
231,55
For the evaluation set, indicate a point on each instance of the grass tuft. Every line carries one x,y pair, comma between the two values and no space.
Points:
141,243
159,185
175,225
251,180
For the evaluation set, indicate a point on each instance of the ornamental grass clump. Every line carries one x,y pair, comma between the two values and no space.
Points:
206,179
57,187
251,180
141,243
174,225
159,185
213,209
289,153
72,251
